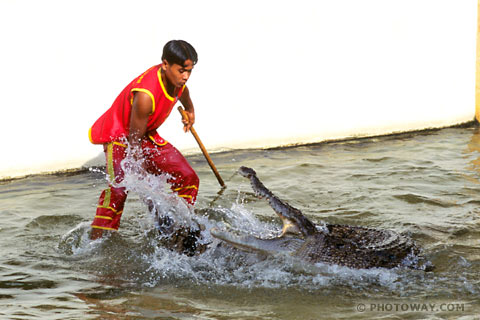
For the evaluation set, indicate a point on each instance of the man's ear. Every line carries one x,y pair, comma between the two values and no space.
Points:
164,64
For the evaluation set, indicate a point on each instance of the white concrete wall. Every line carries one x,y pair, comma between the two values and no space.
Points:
269,73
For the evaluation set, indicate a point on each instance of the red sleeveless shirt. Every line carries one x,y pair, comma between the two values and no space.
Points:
114,124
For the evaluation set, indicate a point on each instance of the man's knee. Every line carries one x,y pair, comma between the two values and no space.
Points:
193,178
188,176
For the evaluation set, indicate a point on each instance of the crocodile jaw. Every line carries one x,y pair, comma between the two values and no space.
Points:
287,244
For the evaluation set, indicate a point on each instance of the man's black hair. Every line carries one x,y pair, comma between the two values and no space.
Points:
179,51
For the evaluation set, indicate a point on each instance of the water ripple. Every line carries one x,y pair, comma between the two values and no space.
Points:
424,185
411,198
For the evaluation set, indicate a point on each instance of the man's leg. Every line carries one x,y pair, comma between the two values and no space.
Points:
167,159
111,202
164,158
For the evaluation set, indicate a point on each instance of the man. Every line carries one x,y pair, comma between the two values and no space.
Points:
129,127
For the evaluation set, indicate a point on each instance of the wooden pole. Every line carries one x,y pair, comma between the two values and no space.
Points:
202,147
477,71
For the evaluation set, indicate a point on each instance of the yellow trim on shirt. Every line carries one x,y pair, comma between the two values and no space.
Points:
149,93
90,135
163,87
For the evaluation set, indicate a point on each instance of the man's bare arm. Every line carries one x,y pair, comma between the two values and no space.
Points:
188,105
141,109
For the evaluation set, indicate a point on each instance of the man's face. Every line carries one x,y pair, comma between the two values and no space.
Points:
178,75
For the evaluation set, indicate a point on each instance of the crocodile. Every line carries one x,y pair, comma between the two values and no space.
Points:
334,244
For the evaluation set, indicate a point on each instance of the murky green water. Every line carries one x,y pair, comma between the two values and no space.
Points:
425,185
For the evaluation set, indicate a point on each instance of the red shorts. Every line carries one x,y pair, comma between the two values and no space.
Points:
160,157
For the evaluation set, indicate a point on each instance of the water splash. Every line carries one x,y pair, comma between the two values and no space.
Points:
154,191
76,243
141,260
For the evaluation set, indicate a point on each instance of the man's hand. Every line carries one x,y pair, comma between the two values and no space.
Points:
189,110
188,123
